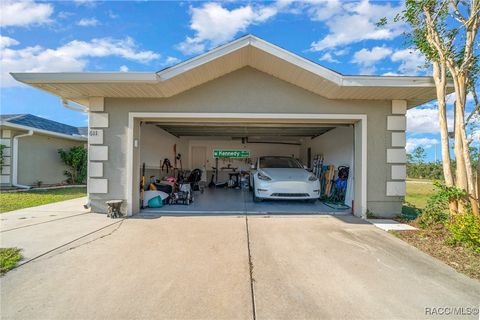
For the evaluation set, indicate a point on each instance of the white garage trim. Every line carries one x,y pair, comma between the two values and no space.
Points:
257,117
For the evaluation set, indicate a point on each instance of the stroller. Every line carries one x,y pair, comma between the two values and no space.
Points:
194,179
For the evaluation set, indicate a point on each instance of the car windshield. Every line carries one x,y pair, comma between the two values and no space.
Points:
279,162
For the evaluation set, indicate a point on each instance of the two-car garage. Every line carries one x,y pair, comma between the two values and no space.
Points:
226,155
221,111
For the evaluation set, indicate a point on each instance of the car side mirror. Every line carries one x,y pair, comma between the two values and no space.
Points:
305,167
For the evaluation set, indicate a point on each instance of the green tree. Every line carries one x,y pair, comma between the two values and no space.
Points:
419,155
445,32
76,159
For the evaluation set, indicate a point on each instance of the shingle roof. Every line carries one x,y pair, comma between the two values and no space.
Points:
29,120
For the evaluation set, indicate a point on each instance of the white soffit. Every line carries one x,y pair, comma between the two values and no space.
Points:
246,51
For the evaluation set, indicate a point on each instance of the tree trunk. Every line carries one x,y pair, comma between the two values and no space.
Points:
478,180
439,76
466,150
461,181
464,177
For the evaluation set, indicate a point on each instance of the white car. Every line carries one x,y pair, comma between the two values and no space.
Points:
283,178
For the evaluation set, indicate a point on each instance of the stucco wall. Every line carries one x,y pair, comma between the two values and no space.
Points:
38,159
248,90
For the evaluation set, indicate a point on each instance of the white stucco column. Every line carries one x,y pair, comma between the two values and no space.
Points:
396,154
97,152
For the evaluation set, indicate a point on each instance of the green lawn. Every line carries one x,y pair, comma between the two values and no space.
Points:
418,193
416,198
25,199
9,257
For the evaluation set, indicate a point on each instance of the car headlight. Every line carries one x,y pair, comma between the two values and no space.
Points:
263,177
312,178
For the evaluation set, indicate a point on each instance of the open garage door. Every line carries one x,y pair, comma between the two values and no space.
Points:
254,167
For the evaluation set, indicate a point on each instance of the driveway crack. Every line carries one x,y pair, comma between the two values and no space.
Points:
76,239
250,266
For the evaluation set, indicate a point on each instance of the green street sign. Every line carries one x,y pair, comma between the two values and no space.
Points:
231,153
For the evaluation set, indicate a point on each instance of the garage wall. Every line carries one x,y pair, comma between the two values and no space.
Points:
256,150
251,91
156,144
336,146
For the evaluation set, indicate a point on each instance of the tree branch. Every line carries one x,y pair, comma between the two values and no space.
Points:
460,17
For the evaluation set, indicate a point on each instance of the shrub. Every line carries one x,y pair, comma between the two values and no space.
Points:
409,212
76,159
2,156
436,210
464,229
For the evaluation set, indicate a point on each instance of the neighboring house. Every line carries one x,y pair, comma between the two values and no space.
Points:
247,94
31,149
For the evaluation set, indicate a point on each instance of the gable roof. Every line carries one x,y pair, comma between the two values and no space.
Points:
46,126
246,51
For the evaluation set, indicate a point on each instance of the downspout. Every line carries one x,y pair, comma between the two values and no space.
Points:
15,160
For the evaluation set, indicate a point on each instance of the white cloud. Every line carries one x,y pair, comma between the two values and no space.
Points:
450,99
355,22
368,58
86,3
390,73
88,22
171,61
214,24
24,13
329,58
425,143
112,15
72,56
65,14
342,52
7,42
323,10
411,61
123,68
425,120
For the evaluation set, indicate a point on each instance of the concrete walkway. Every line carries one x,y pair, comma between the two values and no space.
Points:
236,267
40,229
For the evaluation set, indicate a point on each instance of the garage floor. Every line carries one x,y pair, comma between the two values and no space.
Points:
231,201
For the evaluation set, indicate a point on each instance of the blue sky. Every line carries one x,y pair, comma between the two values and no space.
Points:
149,36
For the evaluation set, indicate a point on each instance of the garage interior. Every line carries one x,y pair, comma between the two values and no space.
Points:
175,149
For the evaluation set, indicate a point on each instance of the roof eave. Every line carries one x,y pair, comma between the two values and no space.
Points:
41,131
85,77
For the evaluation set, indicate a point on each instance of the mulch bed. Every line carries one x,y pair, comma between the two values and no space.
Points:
433,242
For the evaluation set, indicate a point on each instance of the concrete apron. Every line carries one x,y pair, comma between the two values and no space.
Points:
307,267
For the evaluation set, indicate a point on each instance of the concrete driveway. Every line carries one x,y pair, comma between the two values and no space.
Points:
40,229
306,267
